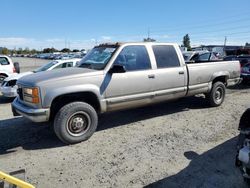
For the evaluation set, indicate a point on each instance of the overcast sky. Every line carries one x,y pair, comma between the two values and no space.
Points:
81,24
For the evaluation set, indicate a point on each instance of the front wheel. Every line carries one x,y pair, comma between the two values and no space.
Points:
75,122
217,94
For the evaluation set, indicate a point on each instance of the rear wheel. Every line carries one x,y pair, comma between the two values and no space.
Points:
217,94
75,122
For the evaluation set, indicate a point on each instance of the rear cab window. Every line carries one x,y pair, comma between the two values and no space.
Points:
4,61
165,56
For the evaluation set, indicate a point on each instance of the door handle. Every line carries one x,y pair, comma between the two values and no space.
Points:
181,72
151,76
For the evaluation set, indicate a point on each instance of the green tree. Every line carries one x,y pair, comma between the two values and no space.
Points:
19,51
5,51
148,40
65,50
49,50
26,50
33,51
75,50
186,42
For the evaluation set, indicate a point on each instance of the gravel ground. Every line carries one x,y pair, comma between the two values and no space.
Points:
177,144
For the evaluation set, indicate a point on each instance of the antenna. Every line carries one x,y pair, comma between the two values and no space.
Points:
225,43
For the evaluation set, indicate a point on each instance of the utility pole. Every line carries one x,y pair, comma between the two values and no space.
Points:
225,43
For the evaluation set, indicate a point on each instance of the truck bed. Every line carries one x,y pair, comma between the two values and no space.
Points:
201,74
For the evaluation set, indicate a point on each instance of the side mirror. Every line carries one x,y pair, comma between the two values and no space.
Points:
117,69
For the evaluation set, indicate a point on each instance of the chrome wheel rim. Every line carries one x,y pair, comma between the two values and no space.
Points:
218,96
78,123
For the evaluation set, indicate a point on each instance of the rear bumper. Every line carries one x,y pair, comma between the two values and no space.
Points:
234,81
36,115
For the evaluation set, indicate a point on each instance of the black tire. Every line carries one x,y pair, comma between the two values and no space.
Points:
2,77
17,67
75,122
217,94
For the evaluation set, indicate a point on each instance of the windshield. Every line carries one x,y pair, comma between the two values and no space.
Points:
46,66
98,57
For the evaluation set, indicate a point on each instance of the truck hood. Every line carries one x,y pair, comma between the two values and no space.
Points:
57,74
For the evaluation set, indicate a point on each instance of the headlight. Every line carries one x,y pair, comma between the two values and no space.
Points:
31,95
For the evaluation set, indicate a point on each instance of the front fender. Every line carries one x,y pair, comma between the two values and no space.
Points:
50,95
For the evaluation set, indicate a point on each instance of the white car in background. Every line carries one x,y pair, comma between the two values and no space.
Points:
7,67
9,88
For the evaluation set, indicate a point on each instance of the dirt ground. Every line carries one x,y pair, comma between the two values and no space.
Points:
177,144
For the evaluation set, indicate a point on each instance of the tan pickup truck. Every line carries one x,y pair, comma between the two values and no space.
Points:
114,77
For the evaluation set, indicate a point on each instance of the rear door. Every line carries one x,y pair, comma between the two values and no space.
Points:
170,76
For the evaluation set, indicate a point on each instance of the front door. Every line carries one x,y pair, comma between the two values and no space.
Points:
132,88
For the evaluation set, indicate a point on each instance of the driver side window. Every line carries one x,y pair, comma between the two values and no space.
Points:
134,58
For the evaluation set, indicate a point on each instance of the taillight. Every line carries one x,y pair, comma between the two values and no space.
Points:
14,70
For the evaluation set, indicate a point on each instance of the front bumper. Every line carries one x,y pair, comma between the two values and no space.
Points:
33,114
8,91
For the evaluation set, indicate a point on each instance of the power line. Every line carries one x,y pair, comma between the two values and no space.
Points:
195,26
216,36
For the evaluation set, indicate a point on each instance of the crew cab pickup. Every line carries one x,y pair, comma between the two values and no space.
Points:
114,77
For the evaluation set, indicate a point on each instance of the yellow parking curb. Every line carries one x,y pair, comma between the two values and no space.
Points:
14,181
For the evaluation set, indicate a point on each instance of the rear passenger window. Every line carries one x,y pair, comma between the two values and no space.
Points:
4,61
134,58
166,56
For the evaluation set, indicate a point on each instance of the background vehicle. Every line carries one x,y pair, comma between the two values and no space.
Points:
243,59
245,73
9,87
187,55
114,77
7,67
200,56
